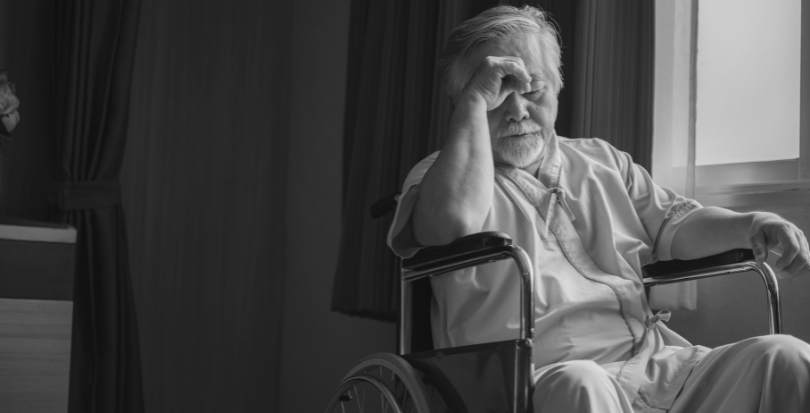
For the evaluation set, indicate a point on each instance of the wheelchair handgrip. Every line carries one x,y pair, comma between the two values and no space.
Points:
469,245
384,205
664,269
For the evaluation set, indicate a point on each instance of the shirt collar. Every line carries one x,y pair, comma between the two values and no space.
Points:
549,171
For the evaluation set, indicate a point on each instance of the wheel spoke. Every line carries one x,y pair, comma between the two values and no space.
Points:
387,378
359,398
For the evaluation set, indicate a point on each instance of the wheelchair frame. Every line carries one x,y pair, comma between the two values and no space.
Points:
485,247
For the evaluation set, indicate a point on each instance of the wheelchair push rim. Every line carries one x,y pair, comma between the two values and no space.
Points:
381,382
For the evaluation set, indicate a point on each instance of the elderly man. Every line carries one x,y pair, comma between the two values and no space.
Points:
589,218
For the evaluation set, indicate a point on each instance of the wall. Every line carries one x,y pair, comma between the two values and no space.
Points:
319,346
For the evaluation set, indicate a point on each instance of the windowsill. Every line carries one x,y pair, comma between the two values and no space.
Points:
744,173
754,188
746,196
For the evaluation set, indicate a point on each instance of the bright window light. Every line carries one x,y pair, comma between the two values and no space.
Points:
748,70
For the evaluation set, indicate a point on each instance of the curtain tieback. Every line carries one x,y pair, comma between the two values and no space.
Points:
88,195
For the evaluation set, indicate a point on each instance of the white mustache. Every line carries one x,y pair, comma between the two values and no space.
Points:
518,131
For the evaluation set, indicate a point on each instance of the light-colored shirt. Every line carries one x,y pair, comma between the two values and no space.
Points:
589,219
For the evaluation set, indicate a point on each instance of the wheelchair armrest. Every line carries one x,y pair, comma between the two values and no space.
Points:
729,262
469,251
463,248
675,268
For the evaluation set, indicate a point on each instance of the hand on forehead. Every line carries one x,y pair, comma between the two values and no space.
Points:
523,49
501,66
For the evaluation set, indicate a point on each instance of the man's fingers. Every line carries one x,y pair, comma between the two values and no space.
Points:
497,77
785,240
760,246
791,247
801,263
515,76
517,68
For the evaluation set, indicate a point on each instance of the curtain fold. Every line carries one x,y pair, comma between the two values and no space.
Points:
608,63
385,126
94,50
394,116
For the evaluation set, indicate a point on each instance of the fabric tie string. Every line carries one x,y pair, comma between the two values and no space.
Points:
663,315
88,195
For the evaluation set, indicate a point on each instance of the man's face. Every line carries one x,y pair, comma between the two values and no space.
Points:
519,126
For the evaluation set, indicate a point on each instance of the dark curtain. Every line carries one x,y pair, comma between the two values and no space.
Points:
395,111
94,49
205,190
394,115
608,63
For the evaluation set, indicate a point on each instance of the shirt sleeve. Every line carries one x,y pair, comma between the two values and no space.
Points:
400,234
660,209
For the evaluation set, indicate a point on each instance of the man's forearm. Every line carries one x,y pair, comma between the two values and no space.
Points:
456,192
710,231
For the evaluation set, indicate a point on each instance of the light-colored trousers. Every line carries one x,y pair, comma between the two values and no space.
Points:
760,374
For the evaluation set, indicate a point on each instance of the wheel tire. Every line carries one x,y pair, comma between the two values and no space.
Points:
382,381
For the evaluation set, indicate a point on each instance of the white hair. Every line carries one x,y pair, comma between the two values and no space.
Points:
495,23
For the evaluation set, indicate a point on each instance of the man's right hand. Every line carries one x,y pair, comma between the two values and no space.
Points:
495,78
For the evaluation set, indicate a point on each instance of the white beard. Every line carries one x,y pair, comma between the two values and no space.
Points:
519,152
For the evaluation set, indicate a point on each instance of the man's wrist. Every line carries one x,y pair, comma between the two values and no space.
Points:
757,218
471,102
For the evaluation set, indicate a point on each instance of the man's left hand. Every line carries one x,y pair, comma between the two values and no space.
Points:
771,233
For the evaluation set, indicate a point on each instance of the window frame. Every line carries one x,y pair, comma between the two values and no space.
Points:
676,31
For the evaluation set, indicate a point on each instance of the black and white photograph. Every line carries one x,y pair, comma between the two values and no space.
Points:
405,206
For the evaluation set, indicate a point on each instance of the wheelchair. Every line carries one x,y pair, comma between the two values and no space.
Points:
487,377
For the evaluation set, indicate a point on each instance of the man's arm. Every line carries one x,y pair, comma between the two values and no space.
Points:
456,193
712,230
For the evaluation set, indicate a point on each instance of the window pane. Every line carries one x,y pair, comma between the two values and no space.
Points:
748,68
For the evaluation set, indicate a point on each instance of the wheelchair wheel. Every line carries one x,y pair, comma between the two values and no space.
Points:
381,383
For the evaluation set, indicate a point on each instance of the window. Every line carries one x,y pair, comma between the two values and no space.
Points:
729,94
748,92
